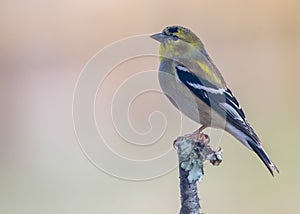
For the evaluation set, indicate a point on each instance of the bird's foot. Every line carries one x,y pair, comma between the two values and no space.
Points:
196,136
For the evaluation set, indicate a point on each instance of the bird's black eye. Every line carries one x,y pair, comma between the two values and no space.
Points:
175,38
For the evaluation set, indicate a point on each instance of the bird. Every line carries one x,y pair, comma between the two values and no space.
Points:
194,85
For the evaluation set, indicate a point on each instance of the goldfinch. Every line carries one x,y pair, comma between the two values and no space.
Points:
193,83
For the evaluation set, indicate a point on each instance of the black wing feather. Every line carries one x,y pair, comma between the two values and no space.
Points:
224,102
221,100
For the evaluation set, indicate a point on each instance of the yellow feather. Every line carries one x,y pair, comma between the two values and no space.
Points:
209,73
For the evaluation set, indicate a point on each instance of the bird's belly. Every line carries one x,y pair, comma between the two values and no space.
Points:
183,99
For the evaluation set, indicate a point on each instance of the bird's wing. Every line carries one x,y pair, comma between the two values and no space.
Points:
220,100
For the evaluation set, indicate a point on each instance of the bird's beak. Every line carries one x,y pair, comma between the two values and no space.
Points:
158,37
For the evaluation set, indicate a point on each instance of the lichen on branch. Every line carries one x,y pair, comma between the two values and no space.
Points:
193,151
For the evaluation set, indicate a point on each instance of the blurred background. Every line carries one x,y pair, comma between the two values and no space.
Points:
45,44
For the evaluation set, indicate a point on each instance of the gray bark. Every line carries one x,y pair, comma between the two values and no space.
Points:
193,150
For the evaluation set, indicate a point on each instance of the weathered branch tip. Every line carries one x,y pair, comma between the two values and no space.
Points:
193,150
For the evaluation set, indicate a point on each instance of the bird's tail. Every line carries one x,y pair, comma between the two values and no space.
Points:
257,148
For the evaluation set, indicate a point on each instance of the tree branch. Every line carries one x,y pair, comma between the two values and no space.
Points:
193,150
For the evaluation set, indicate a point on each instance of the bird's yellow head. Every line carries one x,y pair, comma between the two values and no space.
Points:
177,41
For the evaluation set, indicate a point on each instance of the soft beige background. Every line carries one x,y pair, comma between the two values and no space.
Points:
45,44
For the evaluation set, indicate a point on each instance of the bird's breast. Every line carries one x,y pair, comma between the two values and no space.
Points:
180,96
